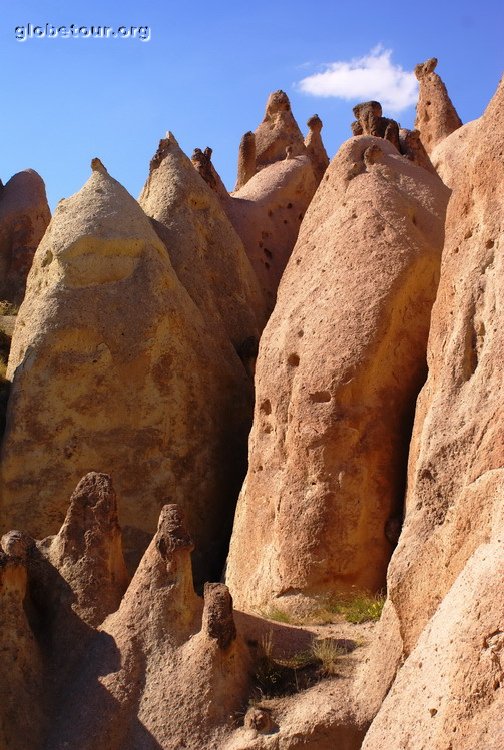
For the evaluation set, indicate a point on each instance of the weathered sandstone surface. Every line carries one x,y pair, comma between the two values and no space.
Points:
436,117
88,670
267,213
450,691
277,178
115,369
444,608
278,132
340,365
452,151
24,216
205,251
315,147
164,671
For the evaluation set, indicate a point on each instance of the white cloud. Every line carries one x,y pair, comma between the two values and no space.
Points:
373,76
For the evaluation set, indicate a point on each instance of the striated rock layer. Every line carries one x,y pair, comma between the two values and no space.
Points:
444,609
340,365
436,117
115,369
24,216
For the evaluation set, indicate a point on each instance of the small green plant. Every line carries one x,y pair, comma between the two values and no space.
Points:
327,653
278,615
359,607
277,676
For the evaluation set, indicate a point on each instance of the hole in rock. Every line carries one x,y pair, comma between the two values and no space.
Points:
266,406
320,397
293,360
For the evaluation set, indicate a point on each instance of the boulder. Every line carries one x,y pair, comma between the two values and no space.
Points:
340,365
24,217
114,369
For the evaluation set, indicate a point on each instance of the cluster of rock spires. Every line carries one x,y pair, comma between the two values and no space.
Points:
369,290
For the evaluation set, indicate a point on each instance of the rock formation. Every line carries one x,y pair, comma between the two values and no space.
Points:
452,151
412,148
22,719
315,147
277,131
443,607
267,213
436,117
277,178
340,365
449,693
247,159
159,661
115,369
206,253
370,121
376,453
24,216
136,678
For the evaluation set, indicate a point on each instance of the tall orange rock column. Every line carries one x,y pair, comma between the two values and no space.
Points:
340,365
115,369
24,217
436,117
445,606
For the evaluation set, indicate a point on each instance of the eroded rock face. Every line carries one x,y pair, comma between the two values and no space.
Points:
115,369
449,693
449,558
87,552
315,147
247,159
161,662
205,251
457,449
370,121
412,148
24,216
22,715
436,117
277,178
277,132
452,151
163,669
340,365
267,213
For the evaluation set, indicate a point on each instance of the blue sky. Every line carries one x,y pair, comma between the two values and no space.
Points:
207,70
